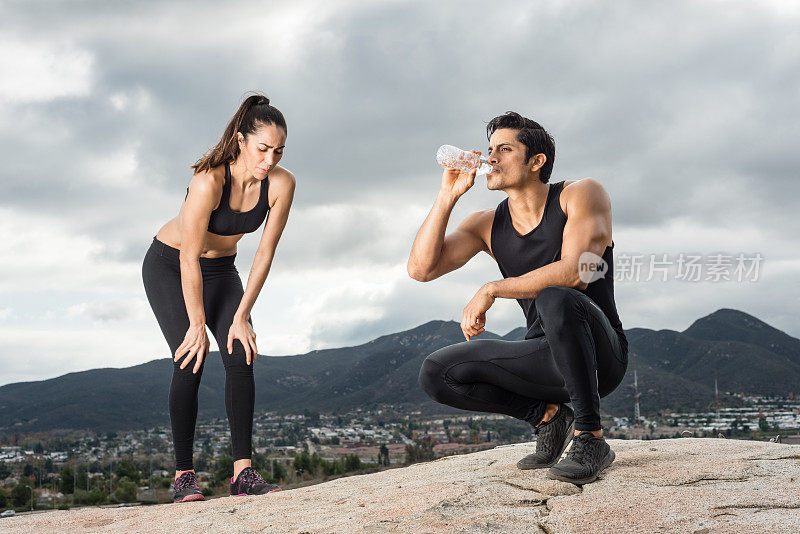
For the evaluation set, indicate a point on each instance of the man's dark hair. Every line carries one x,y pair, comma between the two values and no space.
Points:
532,135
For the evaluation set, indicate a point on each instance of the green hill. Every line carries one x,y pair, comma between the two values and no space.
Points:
675,369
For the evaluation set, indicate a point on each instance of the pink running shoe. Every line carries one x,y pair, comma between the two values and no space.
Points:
249,482
186,488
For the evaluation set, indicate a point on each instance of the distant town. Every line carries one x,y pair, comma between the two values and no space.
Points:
63,469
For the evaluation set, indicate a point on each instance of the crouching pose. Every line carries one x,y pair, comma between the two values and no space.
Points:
552,243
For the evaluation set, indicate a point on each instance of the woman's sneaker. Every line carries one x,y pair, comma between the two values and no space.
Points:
249,482
552,438
186,488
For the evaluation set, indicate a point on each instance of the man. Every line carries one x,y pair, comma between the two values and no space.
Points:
553,245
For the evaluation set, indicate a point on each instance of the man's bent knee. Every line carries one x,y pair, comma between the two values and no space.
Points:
431,379
555,304
552,297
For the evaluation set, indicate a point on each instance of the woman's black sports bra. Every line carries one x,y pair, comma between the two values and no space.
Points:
225,221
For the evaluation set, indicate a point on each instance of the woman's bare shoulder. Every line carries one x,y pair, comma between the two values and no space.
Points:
212,179
281,179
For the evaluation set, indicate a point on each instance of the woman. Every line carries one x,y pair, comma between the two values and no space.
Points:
191,281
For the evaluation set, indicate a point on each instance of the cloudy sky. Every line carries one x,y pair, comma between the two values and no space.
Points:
687,112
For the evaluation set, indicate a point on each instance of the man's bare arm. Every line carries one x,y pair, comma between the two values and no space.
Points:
588,228
433,254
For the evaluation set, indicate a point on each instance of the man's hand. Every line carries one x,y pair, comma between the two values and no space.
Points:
455,183
473,320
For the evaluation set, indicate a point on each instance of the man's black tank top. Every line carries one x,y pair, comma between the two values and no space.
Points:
517,255
225,221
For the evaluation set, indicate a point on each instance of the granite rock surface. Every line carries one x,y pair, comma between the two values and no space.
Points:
674,485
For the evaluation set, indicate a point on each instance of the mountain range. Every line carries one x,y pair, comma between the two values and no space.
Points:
675,370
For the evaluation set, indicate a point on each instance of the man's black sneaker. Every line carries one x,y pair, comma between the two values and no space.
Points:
186,488
552,438
249,482
586,458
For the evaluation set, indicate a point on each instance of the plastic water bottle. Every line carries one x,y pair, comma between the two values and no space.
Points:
451,157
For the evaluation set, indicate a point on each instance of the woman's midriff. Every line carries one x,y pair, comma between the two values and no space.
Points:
214,246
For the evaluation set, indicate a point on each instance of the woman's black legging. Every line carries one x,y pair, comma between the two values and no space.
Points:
580,358
222,294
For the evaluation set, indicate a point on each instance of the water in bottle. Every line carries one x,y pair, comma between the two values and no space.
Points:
451,157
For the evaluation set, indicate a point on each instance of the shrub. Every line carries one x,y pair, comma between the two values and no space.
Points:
94,497
352,463
125,490
224,469
21,495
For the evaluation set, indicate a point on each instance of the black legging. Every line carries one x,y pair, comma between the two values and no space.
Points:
580,359
222,294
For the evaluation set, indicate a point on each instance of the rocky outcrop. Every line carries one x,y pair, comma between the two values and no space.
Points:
676,485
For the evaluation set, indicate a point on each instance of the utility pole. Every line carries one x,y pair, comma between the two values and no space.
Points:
636,412
716,396
271,464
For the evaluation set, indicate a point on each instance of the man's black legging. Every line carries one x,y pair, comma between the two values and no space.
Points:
222,294
580,358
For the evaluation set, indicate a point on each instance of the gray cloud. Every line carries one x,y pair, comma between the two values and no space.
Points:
692,125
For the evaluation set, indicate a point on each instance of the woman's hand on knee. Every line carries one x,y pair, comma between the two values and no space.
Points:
196,343
243,331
